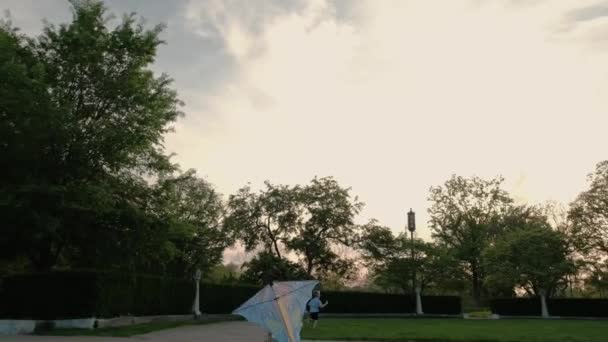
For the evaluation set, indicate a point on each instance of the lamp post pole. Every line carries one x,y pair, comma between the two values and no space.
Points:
411,226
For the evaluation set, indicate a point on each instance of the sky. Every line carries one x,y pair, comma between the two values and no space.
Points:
390,97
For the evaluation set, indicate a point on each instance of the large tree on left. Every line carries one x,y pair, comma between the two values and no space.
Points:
82,120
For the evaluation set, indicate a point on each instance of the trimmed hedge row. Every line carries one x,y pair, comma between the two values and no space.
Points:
366,302
75,294
564,307
371,302
223,299
516,306
58,295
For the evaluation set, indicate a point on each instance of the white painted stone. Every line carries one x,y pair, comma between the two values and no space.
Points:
418,301
82,323
115,322
543,304
16,327
196,306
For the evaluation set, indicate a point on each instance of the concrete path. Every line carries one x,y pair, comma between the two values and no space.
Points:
220,332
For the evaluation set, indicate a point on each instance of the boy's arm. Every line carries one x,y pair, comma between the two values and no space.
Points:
324,305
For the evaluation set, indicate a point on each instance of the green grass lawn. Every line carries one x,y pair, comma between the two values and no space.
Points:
450,330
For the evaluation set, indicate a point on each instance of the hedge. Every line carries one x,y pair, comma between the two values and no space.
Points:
222,299
367,302
372,302
516,306
58,295
564,307
77,294
442,305
578,307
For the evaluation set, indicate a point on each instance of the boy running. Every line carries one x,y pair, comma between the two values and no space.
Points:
316,306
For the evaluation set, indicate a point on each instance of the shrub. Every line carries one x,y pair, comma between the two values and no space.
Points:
578,307
516,306
372,302
367,302
58,295
77,294
223,299
445,305
567,307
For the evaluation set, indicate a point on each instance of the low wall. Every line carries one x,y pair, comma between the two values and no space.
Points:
23,327
16,327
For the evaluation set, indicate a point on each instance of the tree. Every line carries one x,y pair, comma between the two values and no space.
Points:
267,218
267,267
195,212
328,221
393,259
598,279
311,221
589,213
224,274
532,258
83,120
464,217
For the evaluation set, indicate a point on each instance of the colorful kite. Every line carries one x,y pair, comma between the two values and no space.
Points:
279,308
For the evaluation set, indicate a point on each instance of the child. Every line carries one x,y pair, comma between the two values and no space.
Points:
316,306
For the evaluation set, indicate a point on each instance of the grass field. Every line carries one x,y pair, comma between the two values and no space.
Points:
406,330
459,330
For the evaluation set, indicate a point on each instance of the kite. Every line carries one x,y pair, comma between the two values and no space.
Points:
279,308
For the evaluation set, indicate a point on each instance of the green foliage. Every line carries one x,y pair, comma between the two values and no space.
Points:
267,218
328,220
266,267
589,213
194,211
223,274
310,221
598,279
82,123
533,257
465,218
395,259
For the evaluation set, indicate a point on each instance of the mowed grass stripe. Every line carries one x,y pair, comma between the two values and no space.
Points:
459,330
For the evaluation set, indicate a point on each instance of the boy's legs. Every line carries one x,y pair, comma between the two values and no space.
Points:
315,318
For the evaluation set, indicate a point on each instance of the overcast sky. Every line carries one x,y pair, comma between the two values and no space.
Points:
390,97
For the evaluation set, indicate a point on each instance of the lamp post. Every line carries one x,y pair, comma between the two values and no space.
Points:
411,226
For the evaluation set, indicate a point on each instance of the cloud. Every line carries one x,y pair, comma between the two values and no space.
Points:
399,98
591,12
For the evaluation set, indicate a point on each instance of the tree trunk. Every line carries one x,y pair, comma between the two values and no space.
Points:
276,248
44,259
309,265
476,286
275,243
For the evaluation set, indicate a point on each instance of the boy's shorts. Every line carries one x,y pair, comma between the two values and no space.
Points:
314,316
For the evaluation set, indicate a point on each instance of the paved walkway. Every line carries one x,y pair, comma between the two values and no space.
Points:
220,332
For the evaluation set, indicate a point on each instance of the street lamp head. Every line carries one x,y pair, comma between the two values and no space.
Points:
411,221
